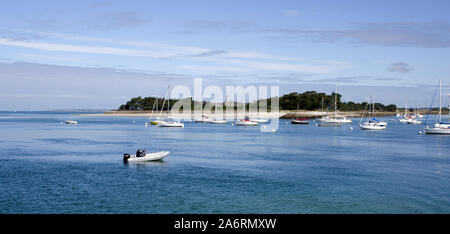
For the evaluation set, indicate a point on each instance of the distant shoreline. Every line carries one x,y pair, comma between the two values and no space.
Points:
282,114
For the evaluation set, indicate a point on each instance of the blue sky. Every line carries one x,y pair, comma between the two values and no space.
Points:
98,54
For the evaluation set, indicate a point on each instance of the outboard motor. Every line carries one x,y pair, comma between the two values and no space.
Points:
126,157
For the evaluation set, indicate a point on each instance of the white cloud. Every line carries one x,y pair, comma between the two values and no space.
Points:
202,60
76,48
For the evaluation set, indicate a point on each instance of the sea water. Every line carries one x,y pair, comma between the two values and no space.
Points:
49,167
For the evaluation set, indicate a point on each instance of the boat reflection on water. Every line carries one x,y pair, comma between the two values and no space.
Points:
145,164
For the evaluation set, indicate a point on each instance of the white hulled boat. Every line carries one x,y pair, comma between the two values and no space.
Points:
71,122
336,118
158,119
440,127
170,123
147,158
203,119
260,120
218,121
373,124
246,122
413,121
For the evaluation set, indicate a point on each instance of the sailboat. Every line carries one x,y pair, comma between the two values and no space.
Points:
296,120
373,124
406,117
409,119
155,104
336,118
204,118
440,127
158,119
169,122
258,119
246,122
217,120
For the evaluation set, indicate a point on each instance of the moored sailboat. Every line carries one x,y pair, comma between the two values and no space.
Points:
246,122
296,120
440,127
373,124
336,118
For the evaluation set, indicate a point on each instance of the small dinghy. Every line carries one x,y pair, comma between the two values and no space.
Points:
71,122
329,125
146,158
299,121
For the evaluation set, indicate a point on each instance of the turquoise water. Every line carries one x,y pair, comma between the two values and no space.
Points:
49,167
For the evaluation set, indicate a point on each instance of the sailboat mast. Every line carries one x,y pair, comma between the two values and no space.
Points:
164,101
440,100
155,103
335,102
322,104
373,106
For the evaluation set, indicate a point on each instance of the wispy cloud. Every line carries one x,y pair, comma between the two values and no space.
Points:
435,34
399,67
355,79
210,53
76,48
213,58
399,34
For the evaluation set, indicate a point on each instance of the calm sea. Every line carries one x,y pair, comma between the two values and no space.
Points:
49,167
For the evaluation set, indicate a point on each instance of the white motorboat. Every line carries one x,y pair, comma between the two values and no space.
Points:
373,124
170,123
147,158
440,127
246,122
71,122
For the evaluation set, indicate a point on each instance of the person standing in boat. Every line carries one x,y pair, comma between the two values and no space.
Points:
138,153
144,152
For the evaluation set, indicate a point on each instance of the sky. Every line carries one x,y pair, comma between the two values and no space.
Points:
99,54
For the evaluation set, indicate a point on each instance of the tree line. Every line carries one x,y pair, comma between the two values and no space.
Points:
309,100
